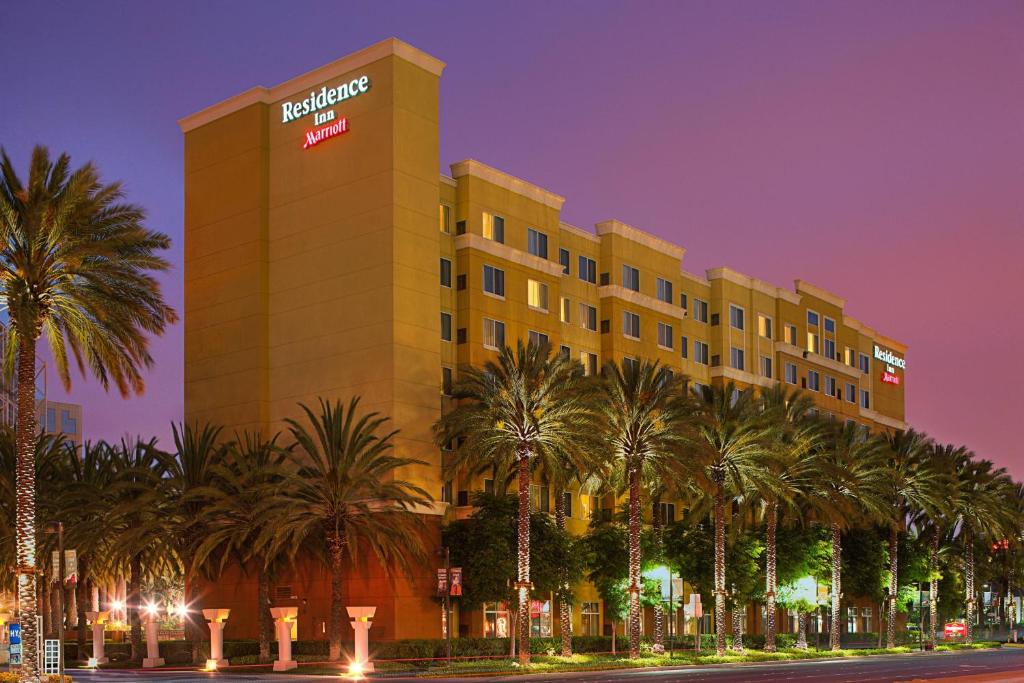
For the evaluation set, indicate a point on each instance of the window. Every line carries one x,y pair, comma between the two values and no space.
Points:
791,334
590,618
589,363
764,326
684,346
865,399
446,327
851,357
830,386
865,364
682,301
446,273
446,381
736,358
494,227
68,424
790,373
51,420
540,619
630,278
494,281
460,282
588,317
494,334
812,318
537,243
563,258
700,352
851,393
866,614
736,317
460,335
700,310
830,348
588,270
539,498
445,219
813,380
566,310
664,292
631,364
460,227
830,325
631,324
496,620
813,342
538,338
567,503
667,512
665,336
851,619
564,351
489,487
766,366
606,326
537,295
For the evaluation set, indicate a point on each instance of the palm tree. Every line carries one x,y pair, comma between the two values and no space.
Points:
344,496
850,476
793,438
198,450
735,437
76,266
979,510
525,403
644,410
913,485
239,512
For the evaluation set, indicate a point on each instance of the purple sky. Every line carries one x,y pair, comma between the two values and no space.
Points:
873,149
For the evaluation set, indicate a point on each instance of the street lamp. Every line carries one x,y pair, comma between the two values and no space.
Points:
58,528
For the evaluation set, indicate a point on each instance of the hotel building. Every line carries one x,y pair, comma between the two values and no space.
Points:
325,256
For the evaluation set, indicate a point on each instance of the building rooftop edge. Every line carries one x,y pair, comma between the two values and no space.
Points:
628,231
372,53
507,181
804,287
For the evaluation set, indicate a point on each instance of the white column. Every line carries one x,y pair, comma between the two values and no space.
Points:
5,653
361,622
153,658
216,617
98,620
284,617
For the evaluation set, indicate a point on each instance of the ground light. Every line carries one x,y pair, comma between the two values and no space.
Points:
211,665
92,663
355,670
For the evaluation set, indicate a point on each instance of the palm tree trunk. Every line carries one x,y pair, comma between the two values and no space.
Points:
933,589
83,598
565,593
801,633
837,575
634,561
263,609
523,565
192,623
770,576
46,599
659,612
337,550
737,625
134,606
720,568
969,583
890,629
25,487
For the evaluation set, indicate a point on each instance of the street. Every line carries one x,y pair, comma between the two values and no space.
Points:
880,669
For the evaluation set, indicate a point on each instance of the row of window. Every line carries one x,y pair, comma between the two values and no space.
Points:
813,383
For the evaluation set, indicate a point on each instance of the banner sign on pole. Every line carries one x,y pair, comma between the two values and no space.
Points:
456,581
442,581
14,637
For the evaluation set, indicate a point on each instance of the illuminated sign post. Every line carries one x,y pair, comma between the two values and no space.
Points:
317,104
892,361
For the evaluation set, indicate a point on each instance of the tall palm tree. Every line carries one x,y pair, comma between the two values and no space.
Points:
979,511
76,267
344,497
511,410
734,436
850,477
912,485
645,412
793,437
238,515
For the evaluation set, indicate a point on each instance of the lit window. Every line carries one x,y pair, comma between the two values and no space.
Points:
764,326
851,357
664,290
446,273
496,620
766,366
494,227
494,281
700,310
589,362
537,295
494,334
537,243
665,336
590,616
736,317
813,380
630,278
791,334
588,270
631,325
813,341
566,310
790,373
700,352
445,219
588,317
736,358
446,327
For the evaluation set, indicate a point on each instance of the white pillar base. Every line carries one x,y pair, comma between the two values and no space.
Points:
285,666
152,663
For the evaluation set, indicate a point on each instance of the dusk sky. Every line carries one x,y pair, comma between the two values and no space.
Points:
873,149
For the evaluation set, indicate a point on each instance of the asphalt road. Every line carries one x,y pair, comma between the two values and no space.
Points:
882,669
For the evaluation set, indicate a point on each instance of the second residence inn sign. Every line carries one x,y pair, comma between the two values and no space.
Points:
324,119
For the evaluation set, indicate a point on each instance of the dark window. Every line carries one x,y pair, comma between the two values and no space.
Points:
446,326
567,502
605,279
446,381
716,360
714,319
460,335
460,227
588,270
682,301
537,243
606,326
563,258
460,282
446,273
684,343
